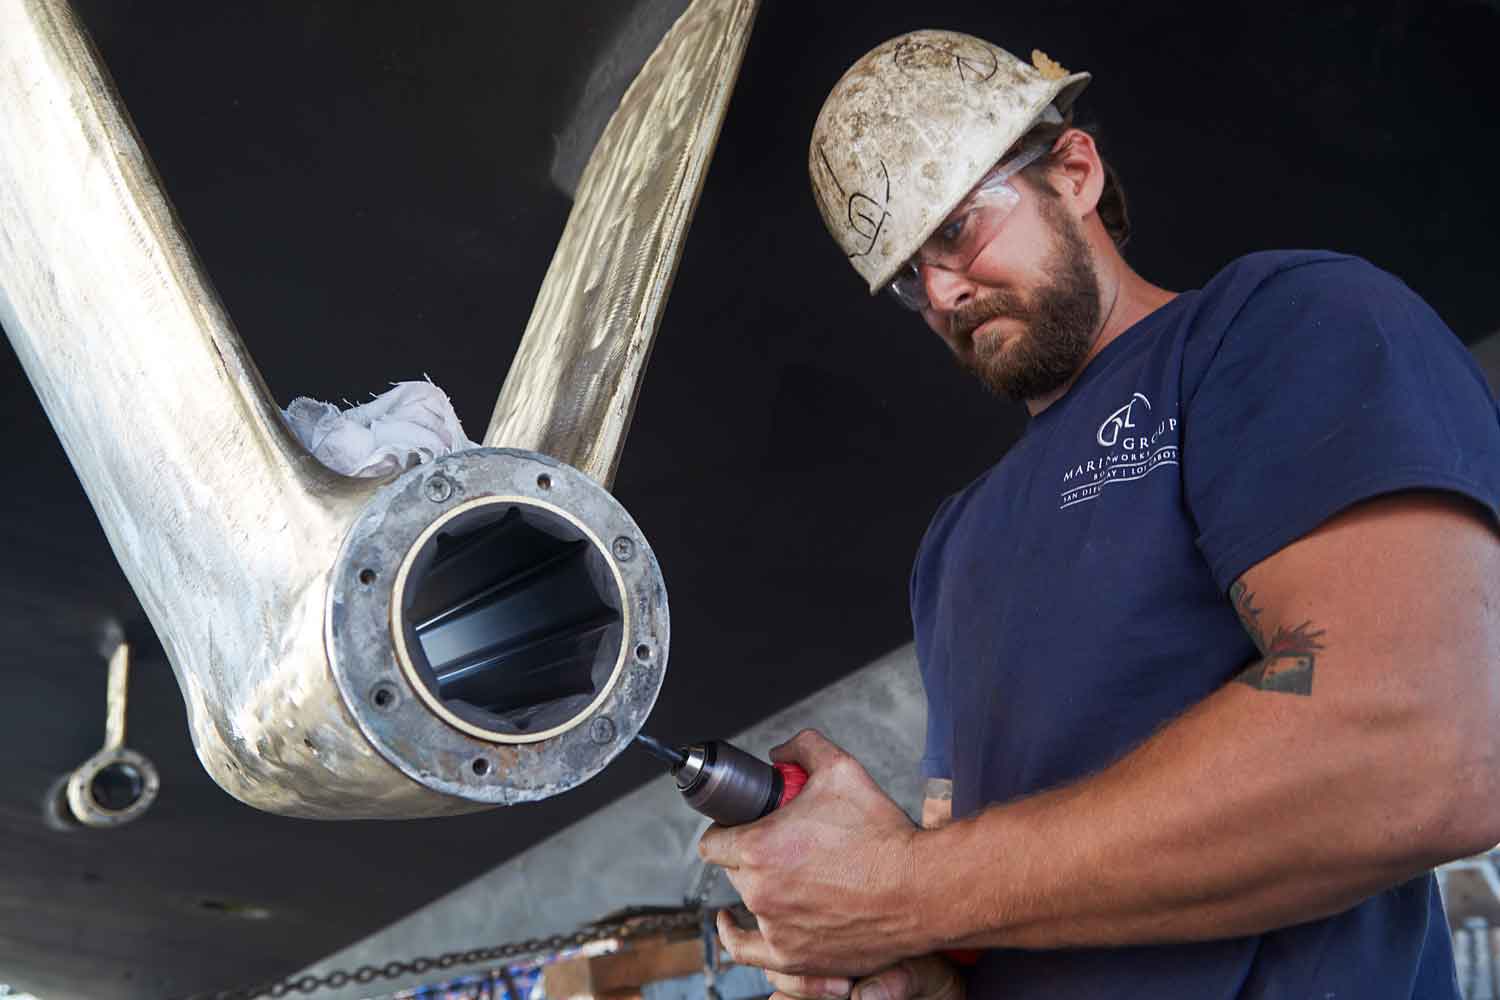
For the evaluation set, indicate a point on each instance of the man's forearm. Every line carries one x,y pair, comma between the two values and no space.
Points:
1358,751
1253,811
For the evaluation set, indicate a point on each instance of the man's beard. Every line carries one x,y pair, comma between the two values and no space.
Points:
1058,320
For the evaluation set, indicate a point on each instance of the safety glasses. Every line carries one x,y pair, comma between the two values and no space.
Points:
966,231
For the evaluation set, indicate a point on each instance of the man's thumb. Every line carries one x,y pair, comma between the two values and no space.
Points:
927,978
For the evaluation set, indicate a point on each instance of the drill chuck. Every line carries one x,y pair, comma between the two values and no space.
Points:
728,785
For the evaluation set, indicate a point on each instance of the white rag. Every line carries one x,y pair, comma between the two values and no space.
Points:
411,423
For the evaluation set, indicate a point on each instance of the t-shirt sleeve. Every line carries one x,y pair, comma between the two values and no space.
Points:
1334,383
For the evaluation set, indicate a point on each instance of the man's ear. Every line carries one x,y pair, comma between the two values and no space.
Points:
1077,173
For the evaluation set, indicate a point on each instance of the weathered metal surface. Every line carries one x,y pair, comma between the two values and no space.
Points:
79,788
76,788
573,386
224,526
636,36
368,583
227,529
116,694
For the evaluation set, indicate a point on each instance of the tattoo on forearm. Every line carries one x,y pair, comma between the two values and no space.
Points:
1287,660
1249,614
940,789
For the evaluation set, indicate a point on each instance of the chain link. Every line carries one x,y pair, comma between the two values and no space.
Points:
624,929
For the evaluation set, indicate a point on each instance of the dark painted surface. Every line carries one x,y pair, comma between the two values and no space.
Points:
368,186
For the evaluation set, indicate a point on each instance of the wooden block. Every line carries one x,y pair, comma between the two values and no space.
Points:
624,972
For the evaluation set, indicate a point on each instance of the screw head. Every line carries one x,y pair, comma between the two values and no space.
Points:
439,488
624,549
602,730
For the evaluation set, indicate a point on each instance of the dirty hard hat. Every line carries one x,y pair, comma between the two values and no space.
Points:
911,127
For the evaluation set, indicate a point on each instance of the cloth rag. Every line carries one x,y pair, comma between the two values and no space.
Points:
411,423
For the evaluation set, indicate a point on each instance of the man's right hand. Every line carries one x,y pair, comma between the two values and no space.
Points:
929,977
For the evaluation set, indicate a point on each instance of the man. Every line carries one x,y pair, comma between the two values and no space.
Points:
1210,655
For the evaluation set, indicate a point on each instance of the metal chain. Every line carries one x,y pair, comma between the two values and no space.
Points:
623,929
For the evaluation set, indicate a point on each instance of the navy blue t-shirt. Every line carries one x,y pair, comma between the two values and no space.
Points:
1074,598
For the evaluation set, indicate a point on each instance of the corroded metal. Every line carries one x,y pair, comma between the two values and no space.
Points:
373,664
116,692
572,389
228,530
223,524
114,758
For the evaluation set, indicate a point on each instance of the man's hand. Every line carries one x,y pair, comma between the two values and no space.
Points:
826,875
927,978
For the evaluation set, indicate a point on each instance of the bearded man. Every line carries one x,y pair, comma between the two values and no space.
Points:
1210,655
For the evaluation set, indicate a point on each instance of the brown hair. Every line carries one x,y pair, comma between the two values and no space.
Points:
1112,209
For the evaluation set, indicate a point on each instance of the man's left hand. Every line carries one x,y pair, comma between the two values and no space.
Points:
827,876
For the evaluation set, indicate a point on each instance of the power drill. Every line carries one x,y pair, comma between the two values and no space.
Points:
725,783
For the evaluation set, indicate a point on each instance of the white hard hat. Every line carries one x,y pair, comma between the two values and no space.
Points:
911,128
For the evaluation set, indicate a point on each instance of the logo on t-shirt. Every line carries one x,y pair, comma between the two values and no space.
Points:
1136,444
1120,420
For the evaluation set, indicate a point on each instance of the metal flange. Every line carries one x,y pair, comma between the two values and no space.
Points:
380,668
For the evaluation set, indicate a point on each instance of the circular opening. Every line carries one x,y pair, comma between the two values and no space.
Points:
511,618
367,576
117,787
643,652
481,766
544,481
383,697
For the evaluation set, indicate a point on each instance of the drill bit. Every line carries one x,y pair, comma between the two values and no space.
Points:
676,758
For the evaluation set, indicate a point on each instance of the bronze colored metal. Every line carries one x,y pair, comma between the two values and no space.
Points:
572,389
248,556
223,524
378,664
114,761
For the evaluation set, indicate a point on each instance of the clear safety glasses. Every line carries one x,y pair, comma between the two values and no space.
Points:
966,231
